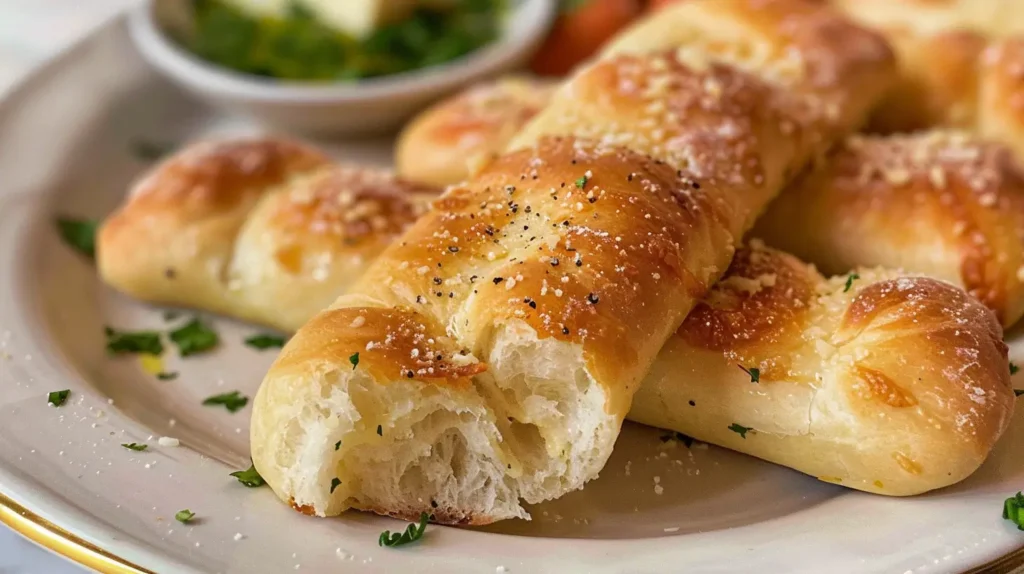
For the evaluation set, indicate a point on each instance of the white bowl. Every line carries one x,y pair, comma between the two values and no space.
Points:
361,106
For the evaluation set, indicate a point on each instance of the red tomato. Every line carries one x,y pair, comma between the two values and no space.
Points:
579,32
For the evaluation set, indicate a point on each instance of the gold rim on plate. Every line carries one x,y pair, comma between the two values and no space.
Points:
53,537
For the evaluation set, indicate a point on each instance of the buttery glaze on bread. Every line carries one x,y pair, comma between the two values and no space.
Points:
267,230
943,204
439,144
491,353
961,65
896,385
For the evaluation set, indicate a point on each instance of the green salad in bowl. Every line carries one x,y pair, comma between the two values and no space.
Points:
294,43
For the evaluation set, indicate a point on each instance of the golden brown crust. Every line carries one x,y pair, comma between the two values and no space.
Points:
1001,99
889,384
806,46
437,146
388,343
939,203
266,229
961,65
756,311
958,376
939,82
543,249
992,18
210,179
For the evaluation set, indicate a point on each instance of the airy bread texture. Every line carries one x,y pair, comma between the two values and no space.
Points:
960,65
877,381
498,343
267,230
943,204
441,143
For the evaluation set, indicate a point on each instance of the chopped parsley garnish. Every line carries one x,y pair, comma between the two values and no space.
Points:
337,445
1013,510
412,533
79,234
249,477
849,281
740,429
151,151
685,439
134,446
233,401
184,516
380,430
1018,392
335,483
57,398
145,342
167,376
1013,368
194,338
754,372
354,359
262,342
581,182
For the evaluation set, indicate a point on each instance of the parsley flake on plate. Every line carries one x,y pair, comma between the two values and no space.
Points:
124,342
194,337
184,516
740,429
1013,368
249,477
79,234
754,372
380,430
581,182
354,359
233,401
167,376
335,483
264,341
135,446
337,445
849,281
1013,510
57,398
412,533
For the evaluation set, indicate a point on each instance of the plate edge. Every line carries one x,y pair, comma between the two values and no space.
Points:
56,539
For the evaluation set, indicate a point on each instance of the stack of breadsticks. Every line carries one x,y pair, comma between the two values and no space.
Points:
589,265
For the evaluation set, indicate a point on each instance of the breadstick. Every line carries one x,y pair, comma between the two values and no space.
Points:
439,144
266,230
960,65
943,204
490,355
876,381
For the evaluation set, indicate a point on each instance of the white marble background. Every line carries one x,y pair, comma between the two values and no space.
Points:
30,32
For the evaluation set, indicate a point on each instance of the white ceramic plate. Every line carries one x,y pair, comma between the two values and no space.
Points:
65,148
